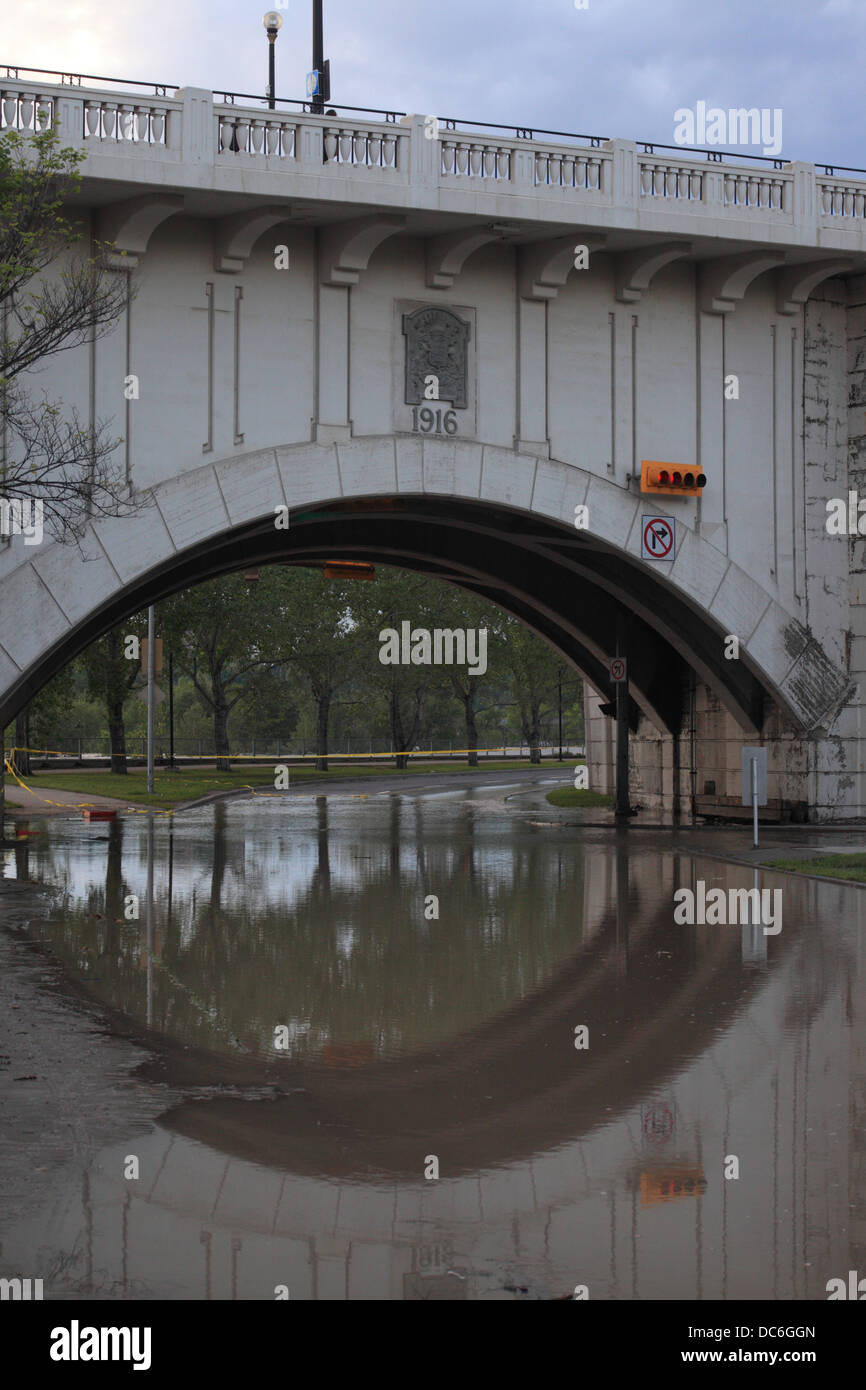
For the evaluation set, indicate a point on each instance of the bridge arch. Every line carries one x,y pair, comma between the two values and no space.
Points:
491,520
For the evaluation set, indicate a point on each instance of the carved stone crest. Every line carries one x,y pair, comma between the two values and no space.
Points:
436,345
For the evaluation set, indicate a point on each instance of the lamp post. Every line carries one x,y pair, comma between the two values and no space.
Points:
318,103
272,22
559,683
151,701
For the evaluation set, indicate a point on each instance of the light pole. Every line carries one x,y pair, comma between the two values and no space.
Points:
151,701
272,22
559,683
318,103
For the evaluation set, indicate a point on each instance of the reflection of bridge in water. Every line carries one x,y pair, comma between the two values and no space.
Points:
552,1160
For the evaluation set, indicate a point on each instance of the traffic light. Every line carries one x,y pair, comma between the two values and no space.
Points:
678,479
349,569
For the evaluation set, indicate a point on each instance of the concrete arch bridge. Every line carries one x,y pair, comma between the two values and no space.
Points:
443,354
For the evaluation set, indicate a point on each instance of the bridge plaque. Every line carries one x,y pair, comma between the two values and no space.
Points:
434,376
436,341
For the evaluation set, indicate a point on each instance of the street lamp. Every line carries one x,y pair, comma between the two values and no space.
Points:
272,22
324,92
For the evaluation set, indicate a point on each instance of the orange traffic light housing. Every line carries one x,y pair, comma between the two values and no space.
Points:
349,569
674,479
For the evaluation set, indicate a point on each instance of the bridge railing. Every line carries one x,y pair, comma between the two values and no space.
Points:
92,117
336,142
576,172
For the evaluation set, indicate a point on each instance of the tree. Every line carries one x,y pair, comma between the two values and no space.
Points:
111,674
534,673
396,597
52,459
37,723
216,632
317,636
457,608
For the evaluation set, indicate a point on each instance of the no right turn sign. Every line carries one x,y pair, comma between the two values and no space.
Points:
658,538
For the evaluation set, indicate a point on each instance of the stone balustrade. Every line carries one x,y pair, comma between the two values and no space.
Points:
189,128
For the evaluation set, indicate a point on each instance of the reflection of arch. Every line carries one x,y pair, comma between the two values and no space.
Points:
512,1087
489,519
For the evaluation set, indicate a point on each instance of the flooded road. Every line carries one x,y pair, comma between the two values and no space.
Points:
431,1045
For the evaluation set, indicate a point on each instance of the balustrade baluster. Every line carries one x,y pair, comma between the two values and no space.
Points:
273,135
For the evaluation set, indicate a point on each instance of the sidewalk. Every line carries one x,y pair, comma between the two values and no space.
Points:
51,802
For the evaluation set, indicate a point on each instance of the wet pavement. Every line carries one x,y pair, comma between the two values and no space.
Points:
240,1043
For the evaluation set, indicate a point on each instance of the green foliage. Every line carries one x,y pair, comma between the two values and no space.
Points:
851,867
36,179
295,658
578,796
51,455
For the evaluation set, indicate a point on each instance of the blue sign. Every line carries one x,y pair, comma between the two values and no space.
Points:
313,83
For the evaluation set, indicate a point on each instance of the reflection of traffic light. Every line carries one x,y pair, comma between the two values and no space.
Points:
671,478
665,1185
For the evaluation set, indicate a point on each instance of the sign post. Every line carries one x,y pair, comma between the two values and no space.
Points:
619,675
754,770
151,654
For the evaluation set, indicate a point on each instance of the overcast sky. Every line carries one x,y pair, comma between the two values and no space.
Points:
618,68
